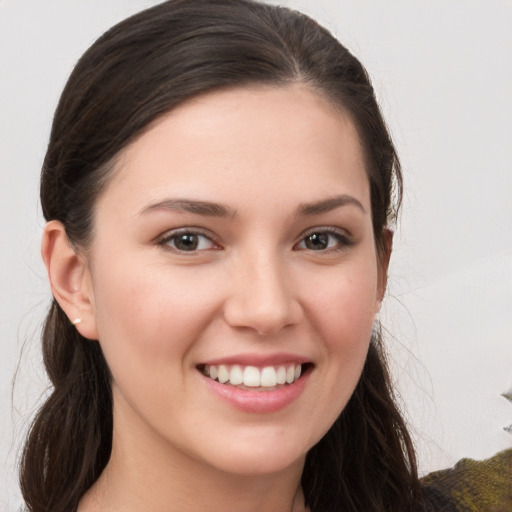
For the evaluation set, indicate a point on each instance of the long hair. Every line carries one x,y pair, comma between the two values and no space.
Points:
133,74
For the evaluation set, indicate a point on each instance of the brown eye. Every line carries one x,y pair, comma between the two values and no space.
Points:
324,240
317,241
187,241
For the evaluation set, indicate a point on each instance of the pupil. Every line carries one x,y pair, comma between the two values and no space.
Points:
317,241
186,242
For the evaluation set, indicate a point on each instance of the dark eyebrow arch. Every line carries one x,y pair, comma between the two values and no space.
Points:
326,205
206,208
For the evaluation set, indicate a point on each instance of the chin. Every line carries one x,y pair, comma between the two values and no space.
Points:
259,456
260,464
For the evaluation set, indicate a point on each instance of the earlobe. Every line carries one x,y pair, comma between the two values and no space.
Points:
383,256
69,279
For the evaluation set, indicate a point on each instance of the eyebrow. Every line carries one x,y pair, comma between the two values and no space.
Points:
327,205
211,209
206,208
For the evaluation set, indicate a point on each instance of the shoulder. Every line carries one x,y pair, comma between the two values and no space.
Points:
472,485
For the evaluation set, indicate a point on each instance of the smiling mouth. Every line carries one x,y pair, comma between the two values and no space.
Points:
254,378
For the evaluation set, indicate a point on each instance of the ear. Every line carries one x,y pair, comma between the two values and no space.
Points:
383,256
70,278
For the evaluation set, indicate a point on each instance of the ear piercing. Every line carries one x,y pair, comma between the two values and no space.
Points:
76,321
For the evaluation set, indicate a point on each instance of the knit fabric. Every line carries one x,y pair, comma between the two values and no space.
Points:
474,486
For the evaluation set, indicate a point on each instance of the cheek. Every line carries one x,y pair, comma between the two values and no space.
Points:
345,305
342,312
151,315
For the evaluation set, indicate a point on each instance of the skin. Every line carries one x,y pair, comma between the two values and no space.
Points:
253,286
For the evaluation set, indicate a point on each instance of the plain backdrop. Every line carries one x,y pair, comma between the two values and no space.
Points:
442,71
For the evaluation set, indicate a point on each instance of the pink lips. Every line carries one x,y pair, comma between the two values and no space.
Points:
258,401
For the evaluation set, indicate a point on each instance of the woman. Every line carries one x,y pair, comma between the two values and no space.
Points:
218,189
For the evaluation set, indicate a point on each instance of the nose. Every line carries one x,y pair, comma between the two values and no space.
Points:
262,296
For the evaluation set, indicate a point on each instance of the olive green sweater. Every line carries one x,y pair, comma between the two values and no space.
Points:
473,486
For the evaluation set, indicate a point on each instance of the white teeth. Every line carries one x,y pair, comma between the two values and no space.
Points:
236,376
223,374
268,377
281,375
252,376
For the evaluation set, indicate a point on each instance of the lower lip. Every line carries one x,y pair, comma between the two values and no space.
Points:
258,401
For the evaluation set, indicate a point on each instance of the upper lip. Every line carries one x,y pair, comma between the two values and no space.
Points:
260,360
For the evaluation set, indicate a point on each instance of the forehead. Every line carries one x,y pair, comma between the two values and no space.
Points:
261,142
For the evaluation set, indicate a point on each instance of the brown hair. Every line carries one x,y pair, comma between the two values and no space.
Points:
137,71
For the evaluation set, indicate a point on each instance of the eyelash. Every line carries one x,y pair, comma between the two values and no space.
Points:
342,238
167,239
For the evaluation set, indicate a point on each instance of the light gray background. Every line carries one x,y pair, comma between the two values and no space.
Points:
443,74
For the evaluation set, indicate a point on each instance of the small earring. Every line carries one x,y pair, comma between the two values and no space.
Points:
76,321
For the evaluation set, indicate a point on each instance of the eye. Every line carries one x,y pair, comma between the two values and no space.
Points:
324,240
187,241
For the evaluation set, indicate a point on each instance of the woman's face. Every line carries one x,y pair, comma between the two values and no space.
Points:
235,240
